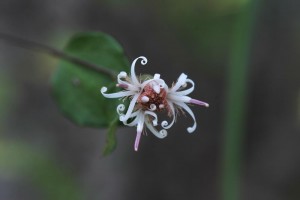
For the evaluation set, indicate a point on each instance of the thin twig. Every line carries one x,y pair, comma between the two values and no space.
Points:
35,46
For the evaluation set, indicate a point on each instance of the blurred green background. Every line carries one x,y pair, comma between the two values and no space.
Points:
244,58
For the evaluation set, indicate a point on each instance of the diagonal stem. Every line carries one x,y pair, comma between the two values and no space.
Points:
35,46
235,117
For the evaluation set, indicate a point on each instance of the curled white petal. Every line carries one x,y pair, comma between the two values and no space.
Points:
160,134
120,109
154,82
186,108
165,124
130,108
117,94
135,120
181,81
187,91
152,107
134,79
154,121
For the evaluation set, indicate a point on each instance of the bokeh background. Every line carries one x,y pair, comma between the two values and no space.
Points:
44,156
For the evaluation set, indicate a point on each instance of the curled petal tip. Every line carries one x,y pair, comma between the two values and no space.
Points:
190,129
103,89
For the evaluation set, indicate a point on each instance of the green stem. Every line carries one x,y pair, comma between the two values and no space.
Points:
236,101
34,46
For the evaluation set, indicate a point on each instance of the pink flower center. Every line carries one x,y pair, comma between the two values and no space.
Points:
150,97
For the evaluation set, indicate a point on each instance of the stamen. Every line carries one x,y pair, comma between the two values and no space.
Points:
145,99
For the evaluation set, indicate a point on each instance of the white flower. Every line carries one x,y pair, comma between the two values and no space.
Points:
150,96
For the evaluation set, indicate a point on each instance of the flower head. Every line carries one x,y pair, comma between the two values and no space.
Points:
149,96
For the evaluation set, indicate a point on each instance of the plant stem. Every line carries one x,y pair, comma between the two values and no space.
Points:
236,101
35,46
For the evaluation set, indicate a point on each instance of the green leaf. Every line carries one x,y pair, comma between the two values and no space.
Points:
111,139
77,90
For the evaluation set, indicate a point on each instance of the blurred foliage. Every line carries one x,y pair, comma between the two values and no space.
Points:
77,90
204,27
56,183
111,140
235,117
7,97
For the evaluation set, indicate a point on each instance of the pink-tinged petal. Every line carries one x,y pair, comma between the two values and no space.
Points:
137,141
125,84
122,85
139,131
200,103
181,81
134,79
117,94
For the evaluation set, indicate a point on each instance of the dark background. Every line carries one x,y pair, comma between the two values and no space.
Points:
42,153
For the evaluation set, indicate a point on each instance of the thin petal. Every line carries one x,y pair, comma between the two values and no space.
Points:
154,121
166,124
179,98
181,81
160,134
121,82
136,119
185,107
198,102
187,91
117,94
130,108
134,79
137,141
139,131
